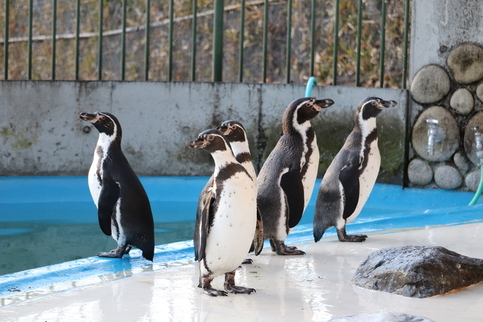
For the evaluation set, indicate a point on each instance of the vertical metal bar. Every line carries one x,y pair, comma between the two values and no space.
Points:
336,43
170,53
147,30
219,7
193,45
54,36
359,40
405,45
77,32
265,41
289,41
383,44
29,42
242,41
312,38
99,43
123,41
5,44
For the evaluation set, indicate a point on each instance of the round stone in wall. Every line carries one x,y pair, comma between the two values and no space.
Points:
461,161
447,124
472,180
479,91
420,172
469,139
466,63
447,177
462,101
430,84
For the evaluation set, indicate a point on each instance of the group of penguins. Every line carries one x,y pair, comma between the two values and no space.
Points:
237,210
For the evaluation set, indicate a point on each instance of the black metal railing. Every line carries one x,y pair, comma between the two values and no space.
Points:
152,40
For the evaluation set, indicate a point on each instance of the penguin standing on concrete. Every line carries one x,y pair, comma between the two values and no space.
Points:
349,180
287,177
227,221
236,135
123,206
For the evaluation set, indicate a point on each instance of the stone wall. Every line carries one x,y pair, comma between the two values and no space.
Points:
447,89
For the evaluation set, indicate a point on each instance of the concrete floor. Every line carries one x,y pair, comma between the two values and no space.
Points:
314,287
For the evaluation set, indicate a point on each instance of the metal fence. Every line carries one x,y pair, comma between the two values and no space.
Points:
338,41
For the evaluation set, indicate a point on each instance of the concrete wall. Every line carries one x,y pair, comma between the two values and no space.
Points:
40,132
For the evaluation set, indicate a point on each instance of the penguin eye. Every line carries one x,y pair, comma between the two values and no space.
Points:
232,127
374,102
210,137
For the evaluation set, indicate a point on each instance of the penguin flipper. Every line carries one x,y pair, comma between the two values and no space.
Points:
291,183
108,197
349,178
258,239
204,223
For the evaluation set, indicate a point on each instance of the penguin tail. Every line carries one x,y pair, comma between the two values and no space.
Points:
149,254
318,233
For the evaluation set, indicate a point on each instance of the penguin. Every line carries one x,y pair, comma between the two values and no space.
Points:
287,178
227,221
350,177
123,206
236,135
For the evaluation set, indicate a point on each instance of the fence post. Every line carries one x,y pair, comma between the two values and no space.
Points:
218,41
29,42
54,36
193,44
99,44
336,43
5,44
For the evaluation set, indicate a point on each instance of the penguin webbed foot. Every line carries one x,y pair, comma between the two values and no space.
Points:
280,248
112,254
232,288
205,284
116,253
344,237
247,261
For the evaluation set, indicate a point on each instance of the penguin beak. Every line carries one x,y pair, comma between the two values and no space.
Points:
386,104
199,143
92,118
318,105
225,130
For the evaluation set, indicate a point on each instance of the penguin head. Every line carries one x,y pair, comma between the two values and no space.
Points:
105,123
233,131
372,106
211,141
302,110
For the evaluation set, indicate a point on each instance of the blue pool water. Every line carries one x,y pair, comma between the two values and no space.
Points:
52,220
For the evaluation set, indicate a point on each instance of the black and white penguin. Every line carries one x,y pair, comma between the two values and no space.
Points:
287,178
123,206
349,180
236,135
227,221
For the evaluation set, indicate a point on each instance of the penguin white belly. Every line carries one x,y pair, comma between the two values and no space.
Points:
308,180
93,180
367,179
231,235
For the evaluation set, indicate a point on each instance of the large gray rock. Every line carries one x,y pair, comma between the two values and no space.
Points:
430,84
381,317
418,271
466,63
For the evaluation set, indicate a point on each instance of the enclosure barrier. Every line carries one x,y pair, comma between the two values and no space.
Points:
218,12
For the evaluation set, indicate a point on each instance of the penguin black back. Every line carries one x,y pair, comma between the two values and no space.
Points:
123,206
